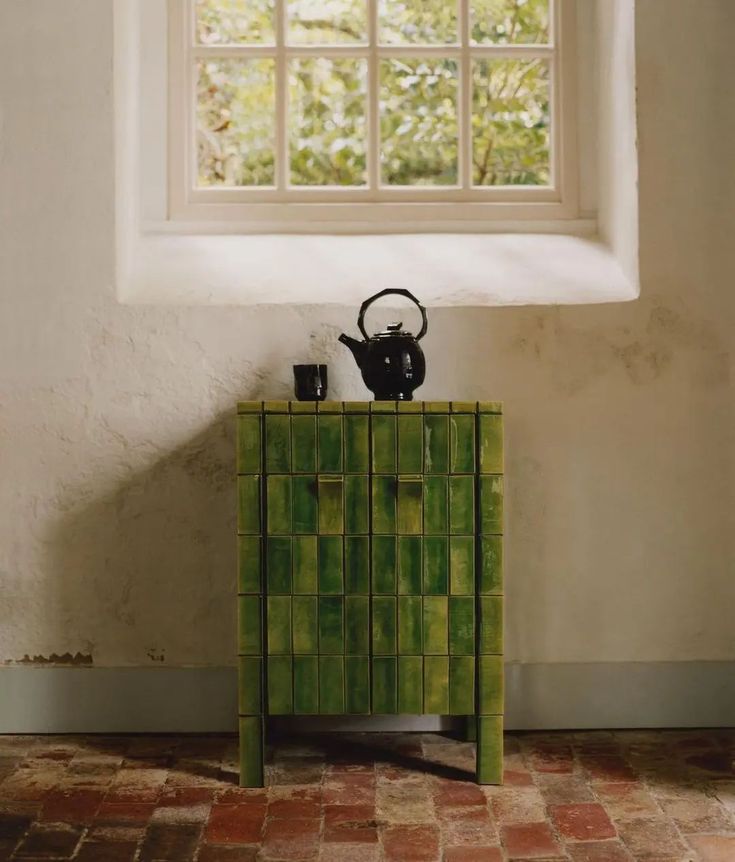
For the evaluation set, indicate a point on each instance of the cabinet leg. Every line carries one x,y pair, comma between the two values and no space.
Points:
490,749
251,751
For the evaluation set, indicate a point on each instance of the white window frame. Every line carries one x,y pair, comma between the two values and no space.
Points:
371,207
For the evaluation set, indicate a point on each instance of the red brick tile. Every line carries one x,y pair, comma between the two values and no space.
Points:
452,794
565,789
290,808
107,851
227,853
556,759
235,824
582,821
56,840
353,824
411,843
626,801
599,851
349,789
650,837
125,812
164,841
529,841
292,839
236,795
713,848
517,778
471,825
175,796
71,806
607,768
338,852
473,854
303,827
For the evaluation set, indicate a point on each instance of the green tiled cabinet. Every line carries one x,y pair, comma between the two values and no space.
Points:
370,565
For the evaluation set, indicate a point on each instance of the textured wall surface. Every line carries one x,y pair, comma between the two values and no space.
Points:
116,422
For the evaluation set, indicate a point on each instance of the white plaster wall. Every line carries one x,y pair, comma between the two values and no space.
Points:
116,422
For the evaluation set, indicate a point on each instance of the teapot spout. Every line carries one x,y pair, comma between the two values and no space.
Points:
358,348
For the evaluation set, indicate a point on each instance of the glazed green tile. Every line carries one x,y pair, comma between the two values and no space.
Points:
410,406
383,438
491,443
249,685
331,685
277,443
409,564
248,564
384,564
278,519
357,443
303,406
490,624
461,685
331,575
331,625
490,749
463,406
436,443
384,504
305,625
436,565
436,625
357,565
410,443
305,504
356,406
279,624
462,565
385,700
248,444
331,505
357,684
409,625
491,564
330,444
306,684
470,728
276,406
251,751
462,443
462,625
491,505
330,406
305,565
357,504
357,625
280,685
410,685
436,406
278,564
250,641
303,444
462,504
248,504
490,407
490,684
410,494
436,505
384,625
436,684
382,406
249,406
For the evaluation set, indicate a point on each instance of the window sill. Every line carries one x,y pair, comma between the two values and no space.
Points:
442,269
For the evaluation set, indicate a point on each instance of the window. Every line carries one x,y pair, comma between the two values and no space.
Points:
398,111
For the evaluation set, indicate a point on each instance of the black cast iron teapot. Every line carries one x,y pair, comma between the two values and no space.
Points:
391,362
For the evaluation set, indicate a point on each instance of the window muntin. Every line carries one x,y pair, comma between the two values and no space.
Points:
401,105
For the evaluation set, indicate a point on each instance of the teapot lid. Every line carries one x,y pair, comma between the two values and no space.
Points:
393,330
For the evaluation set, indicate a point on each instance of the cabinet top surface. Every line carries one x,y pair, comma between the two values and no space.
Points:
369,407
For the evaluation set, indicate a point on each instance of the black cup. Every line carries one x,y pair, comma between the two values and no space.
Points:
310,382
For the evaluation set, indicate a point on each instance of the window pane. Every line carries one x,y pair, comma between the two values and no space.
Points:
222,22
417,21
418,109
235,122
327,124
326,22
510,21
510,122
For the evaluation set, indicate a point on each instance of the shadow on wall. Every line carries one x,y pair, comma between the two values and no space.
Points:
154,560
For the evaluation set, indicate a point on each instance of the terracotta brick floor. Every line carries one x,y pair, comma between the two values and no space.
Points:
585,797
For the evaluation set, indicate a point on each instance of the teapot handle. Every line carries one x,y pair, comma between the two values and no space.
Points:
401,292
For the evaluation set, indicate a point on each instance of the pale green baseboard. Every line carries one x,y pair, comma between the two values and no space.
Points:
538,696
